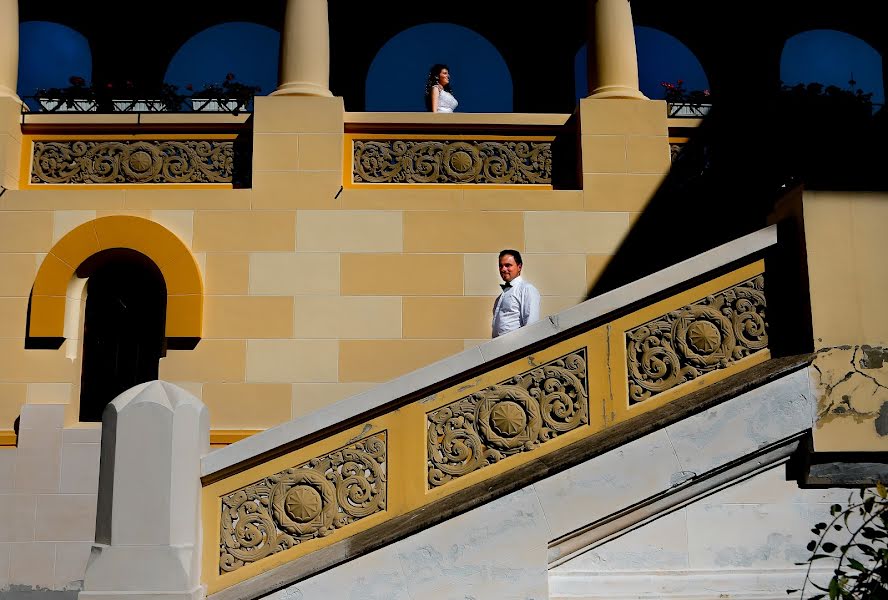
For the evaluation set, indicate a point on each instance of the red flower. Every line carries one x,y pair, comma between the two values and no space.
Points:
229,77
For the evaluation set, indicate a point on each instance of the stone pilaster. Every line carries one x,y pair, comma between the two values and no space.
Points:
305,50
612,61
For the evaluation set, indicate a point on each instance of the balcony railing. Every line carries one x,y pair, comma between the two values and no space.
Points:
135,105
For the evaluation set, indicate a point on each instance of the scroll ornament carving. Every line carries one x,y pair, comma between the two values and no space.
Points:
442,161
511,417
700,338
303,503
163,161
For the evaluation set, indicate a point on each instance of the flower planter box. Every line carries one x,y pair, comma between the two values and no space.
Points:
59,105
218,104
140,105
688,110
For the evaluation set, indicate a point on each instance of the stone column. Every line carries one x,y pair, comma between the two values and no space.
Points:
305,50
9,46
612,61
148,518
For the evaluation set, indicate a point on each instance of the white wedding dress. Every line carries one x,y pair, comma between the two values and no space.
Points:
446,101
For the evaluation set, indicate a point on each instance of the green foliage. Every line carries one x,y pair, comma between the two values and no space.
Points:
817,98
228,88
863,526
675,93
78,89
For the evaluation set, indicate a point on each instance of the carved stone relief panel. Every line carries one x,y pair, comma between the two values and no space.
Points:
443,161
709,334
303,503
511,417
143,161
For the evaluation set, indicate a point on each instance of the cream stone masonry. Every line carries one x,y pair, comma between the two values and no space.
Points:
574,232
347,317
286,274
275,361
349,231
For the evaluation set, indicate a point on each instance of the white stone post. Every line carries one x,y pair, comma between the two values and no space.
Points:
612,60
9,48
148,520
305,50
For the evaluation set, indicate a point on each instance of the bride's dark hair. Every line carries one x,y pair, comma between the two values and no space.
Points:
432,81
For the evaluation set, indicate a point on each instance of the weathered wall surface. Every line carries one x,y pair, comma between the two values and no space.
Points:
844,245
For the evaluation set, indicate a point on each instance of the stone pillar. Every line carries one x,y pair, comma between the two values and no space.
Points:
9,47
305,50
612,61
148,518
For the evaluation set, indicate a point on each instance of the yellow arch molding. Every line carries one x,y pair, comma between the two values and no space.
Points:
184,314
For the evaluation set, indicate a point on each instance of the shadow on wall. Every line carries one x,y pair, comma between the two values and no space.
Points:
725,181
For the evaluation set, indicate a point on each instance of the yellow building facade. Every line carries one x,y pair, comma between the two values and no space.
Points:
318,283
291,284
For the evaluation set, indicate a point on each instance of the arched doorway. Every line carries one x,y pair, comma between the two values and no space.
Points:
123,326
397,75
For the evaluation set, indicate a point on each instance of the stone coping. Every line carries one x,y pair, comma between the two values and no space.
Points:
450,119
416,381
133,118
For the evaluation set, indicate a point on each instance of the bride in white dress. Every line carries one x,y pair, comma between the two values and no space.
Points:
439,95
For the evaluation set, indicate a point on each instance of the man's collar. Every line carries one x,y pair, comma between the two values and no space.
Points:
507,285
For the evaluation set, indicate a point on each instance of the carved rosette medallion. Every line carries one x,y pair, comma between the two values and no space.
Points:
511,417
443,161
303,503
697,339
143,161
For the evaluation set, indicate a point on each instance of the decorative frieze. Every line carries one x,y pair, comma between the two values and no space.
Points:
143,161
697,339
511,417
445,161
303,503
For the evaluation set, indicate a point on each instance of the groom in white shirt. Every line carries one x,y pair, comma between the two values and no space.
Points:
519,304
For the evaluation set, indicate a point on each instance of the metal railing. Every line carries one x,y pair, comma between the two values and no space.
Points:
109,105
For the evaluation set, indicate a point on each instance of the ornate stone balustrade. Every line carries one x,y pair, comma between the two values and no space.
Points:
395,149
67,151
448,441
74,162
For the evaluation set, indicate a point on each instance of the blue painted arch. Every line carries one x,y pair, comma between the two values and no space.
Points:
49,55
661,58
834,58
396,78
208,56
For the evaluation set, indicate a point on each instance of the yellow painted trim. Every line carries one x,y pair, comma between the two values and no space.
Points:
348,155
8,438
27,157
220,437
212,505
176,262
406,430
620,410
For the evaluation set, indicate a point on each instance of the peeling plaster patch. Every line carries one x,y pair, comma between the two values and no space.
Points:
882,420
873,358
852,382
681,477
